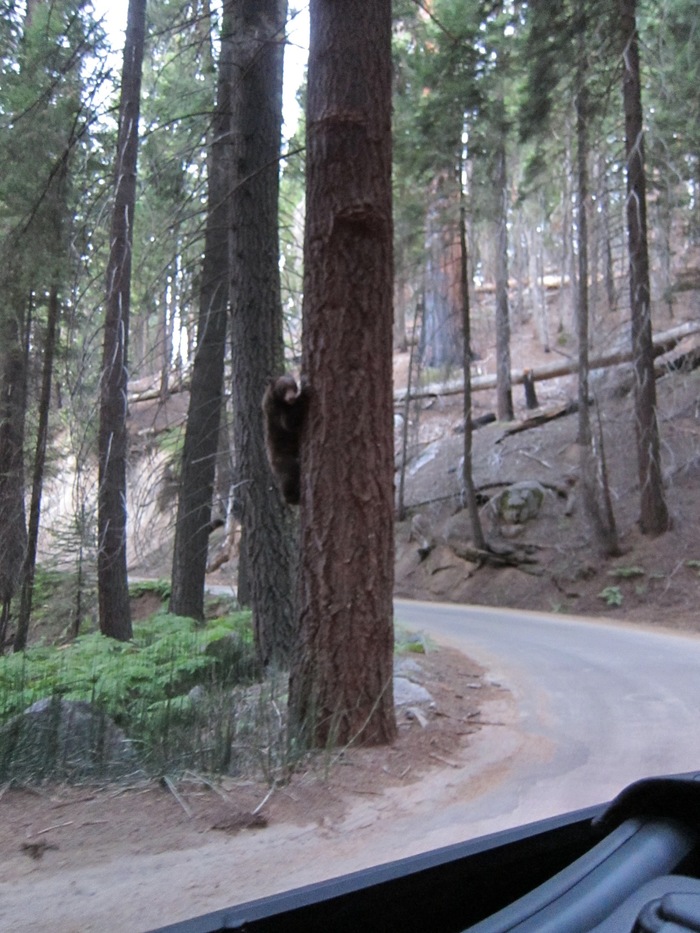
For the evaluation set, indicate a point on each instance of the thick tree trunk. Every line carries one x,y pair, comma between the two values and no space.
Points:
268,539
113,588
341,687
206,392
654,517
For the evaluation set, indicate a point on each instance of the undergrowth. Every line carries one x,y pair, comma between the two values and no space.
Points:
178,696
183,696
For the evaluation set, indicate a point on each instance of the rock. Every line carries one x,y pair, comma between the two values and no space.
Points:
197,694
64,740
518,503
458,527
422,533
448,572
406,666
406,693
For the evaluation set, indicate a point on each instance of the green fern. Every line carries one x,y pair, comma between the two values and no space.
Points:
612,595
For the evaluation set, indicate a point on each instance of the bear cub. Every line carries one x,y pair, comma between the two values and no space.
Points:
284,408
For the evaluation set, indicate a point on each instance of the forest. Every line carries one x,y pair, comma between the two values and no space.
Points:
462,171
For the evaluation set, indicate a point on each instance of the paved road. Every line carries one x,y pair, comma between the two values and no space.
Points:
597,705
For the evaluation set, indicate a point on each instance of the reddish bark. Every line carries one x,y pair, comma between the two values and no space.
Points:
341,683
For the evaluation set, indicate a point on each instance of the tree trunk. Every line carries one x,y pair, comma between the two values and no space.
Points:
441,333
268,538
341,686
206,391
467,465
29,564
605,232
113,588
13,527
654,517
582,310
401,491
568,261
594,481
538,293
504,392
165,342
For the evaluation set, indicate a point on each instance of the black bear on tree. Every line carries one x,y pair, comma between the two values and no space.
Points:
284,409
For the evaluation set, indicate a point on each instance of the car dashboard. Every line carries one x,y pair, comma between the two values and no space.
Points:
631,866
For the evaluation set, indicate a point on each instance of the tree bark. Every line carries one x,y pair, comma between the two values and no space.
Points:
268,536
341,686
582,304
13,526
29,563
206,392
112,582
504,392
467,465
654,516
441,333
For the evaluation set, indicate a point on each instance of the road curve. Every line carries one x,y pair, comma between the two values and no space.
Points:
597,704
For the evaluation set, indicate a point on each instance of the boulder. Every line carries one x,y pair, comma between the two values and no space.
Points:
518,503
64,740
408,693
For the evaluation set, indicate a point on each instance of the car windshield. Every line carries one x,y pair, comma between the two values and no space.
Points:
349,436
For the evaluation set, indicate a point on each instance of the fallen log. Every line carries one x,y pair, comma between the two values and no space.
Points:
561,411
663,343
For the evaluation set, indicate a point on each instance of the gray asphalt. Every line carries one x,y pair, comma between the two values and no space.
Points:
597,705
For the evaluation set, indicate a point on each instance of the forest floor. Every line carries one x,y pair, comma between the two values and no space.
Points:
150,854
